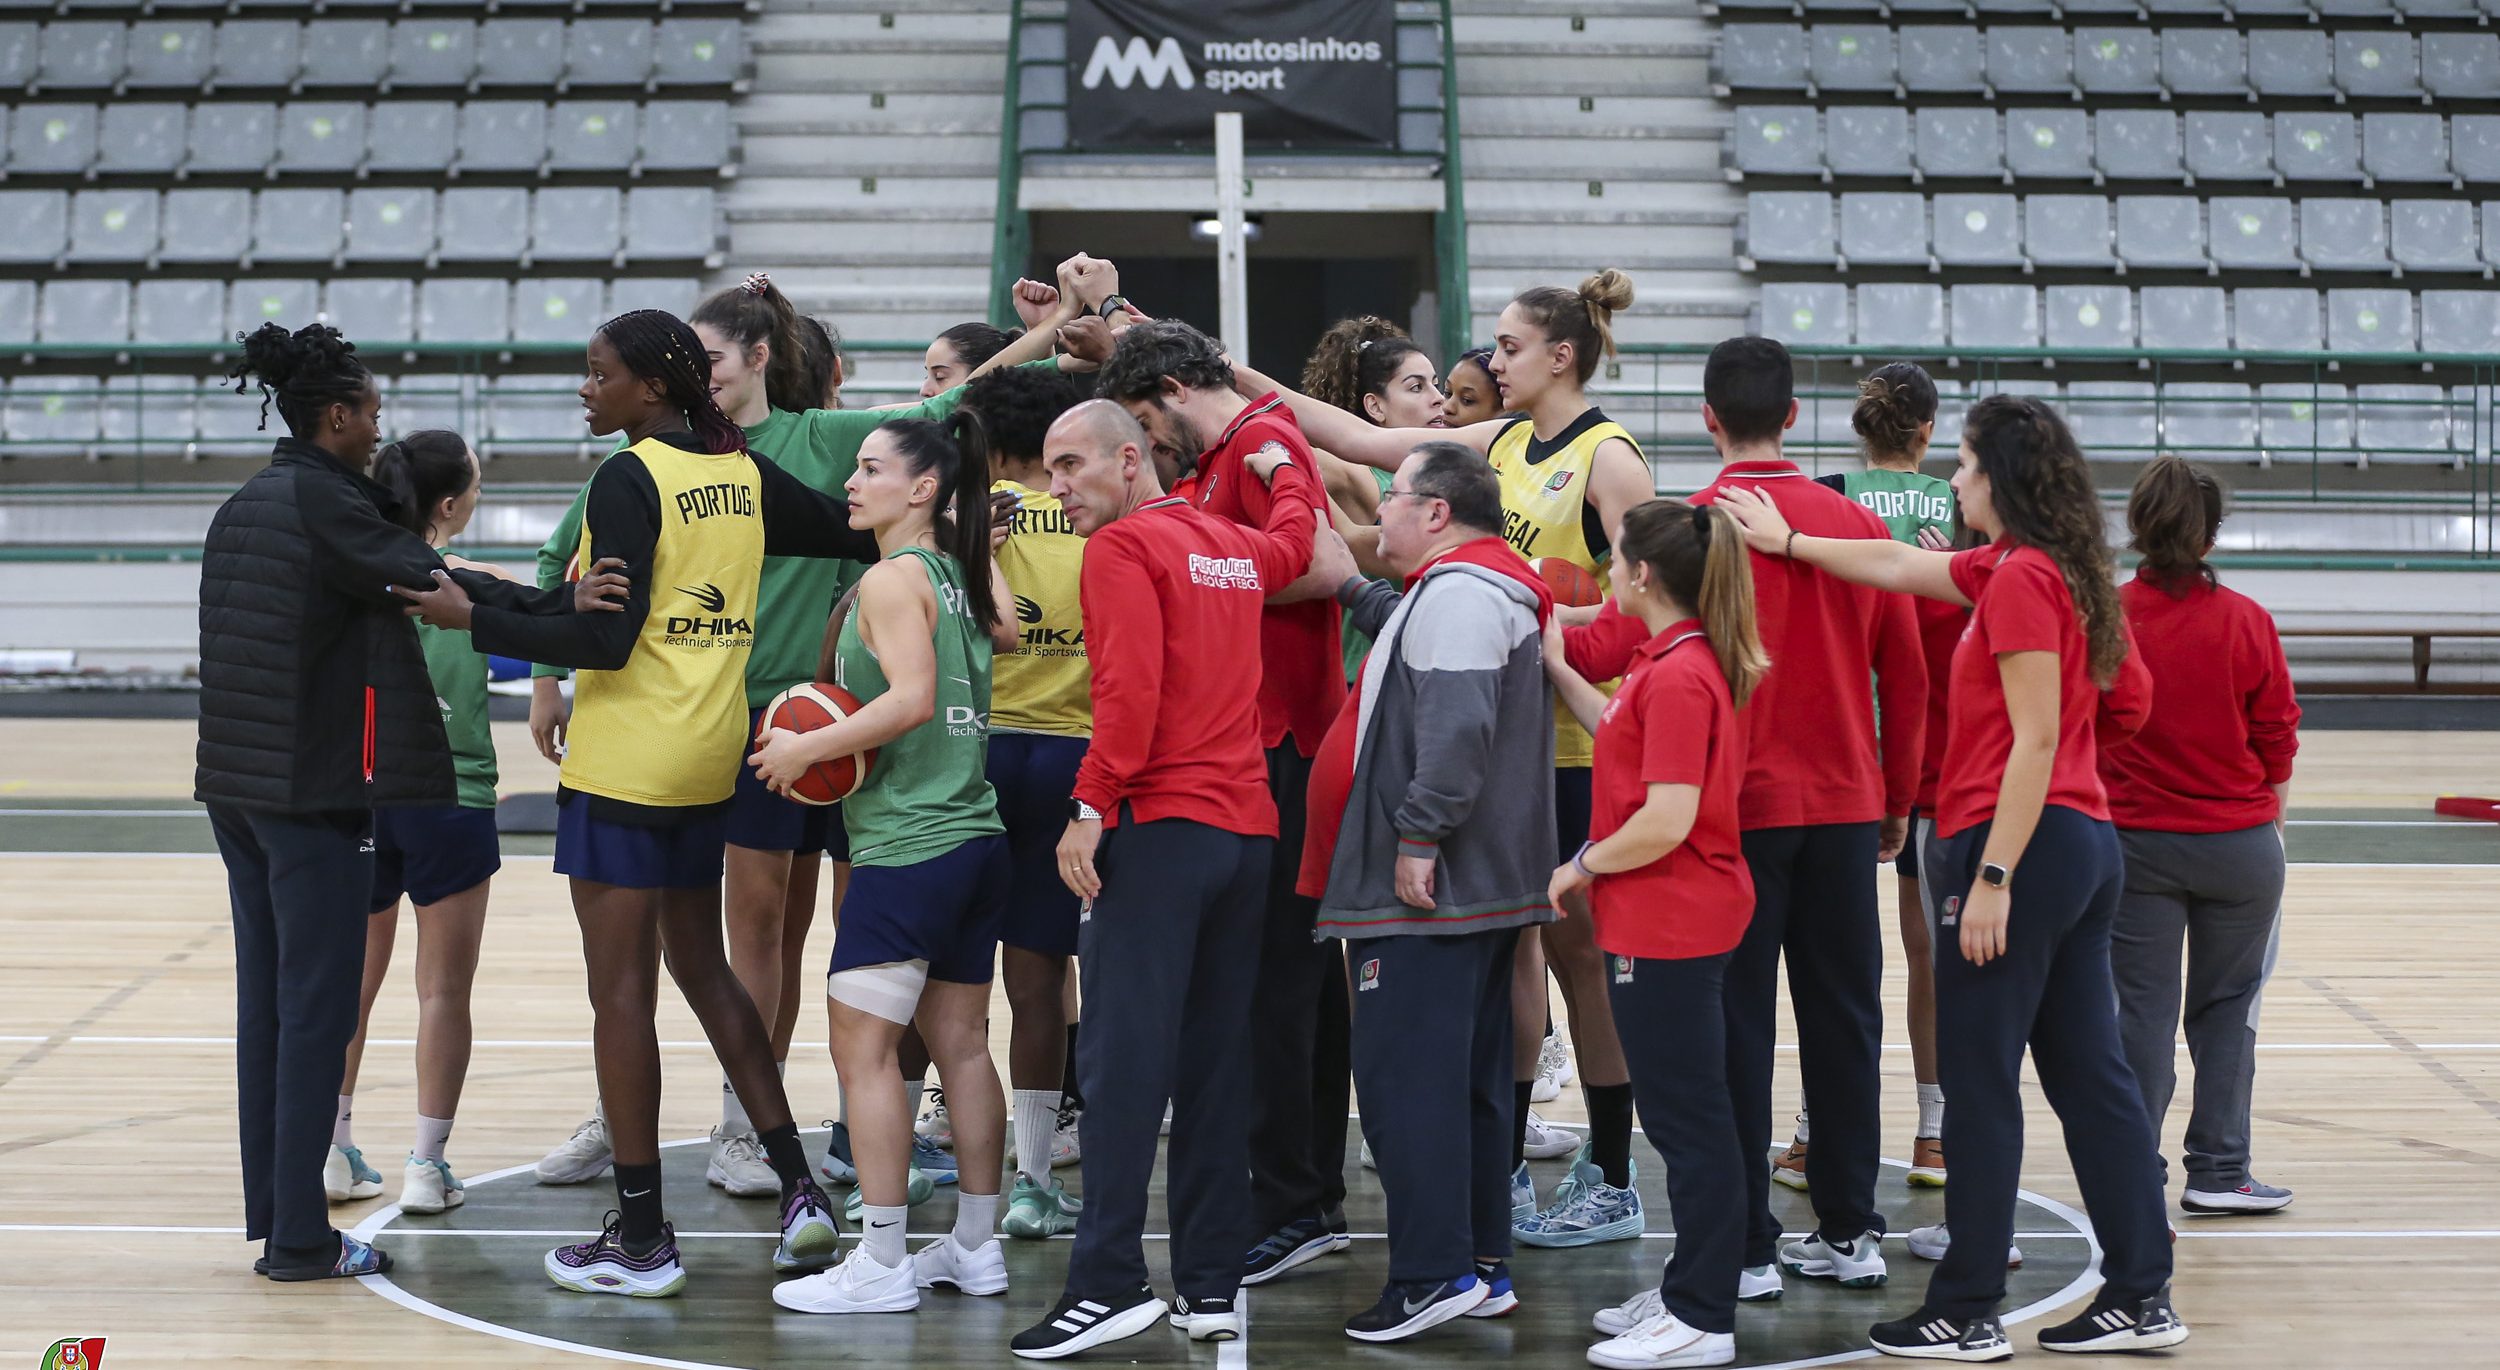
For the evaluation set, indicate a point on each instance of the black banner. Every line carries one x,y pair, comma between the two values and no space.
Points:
1303,73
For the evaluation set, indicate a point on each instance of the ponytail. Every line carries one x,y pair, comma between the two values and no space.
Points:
958,451
1697,552
422,470
755,311
2172,516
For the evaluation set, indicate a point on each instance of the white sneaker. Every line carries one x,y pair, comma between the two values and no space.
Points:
1630,1313
347,1178
857,1285
1855,1264
429,1187
738,1166
1931,1242
1546,1141
1662,1342
980,1270
934,1124
585,1155
2252,1197
1759,1284
1368,1162
1065,1148
1553,1070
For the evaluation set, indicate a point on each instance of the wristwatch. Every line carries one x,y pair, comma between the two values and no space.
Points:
1996,875
1081,812
1110,305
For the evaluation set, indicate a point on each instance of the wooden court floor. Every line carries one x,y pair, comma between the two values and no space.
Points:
2378,1101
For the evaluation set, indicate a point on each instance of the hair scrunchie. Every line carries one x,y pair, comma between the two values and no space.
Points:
756,283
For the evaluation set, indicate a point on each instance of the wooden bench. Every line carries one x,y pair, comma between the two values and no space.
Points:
2421,637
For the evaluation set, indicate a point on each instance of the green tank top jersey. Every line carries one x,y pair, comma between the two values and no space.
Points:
459,672
1907,501
1357,643
930,791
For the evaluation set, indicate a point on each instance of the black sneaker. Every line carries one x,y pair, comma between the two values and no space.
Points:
2119,1324
1207,1319
1081,1324
1930,1335
1297,1242
1406,1309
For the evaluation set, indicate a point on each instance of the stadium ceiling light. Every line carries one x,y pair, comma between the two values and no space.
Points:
1205,229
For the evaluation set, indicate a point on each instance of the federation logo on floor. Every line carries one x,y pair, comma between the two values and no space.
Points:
74,1353
1369,977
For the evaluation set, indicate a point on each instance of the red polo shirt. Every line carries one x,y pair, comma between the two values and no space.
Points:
1672,723
1939,632
2021,604
2224,727
1305,678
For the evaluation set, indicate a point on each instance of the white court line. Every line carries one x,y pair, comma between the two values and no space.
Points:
698,1044
2249,1231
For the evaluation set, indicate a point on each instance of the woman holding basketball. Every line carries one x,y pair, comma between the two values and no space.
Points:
918,932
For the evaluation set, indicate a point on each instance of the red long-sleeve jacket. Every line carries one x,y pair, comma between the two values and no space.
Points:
2224,724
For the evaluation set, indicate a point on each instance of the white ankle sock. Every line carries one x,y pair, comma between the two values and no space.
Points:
733,1115
432,1134
881,1231
1801,1125
1931,1110
1037,1121
976,1218
916,1090
342,1131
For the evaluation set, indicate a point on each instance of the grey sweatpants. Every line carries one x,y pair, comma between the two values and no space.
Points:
2218,897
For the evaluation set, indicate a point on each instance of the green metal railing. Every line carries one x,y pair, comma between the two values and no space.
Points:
1449,229
1011,234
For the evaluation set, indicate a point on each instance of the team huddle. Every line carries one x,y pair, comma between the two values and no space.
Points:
1272,747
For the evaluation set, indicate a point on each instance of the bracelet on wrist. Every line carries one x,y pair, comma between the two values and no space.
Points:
1579,860
1789,549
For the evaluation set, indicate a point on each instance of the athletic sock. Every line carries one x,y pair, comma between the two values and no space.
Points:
1037,1121
976,1218
915,1090
432,1134
1931,1110
1068,1092
1610,1131
638,1206
1801,1124
1519,1135
342,1131
789,1158
881,1232
733,1114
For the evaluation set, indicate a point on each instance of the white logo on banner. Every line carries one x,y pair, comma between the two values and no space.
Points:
1126,63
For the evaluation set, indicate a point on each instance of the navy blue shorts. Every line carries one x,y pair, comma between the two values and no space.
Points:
761,820
944,911
431,853
1906,864
632,856
1574,809
1034,775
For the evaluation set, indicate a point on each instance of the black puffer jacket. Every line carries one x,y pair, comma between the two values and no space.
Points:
313,691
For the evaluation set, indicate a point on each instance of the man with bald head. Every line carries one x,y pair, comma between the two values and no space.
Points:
1170,833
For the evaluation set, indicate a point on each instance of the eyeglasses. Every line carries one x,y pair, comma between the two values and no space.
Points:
1395,493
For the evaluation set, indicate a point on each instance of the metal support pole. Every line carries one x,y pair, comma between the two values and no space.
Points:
1231,260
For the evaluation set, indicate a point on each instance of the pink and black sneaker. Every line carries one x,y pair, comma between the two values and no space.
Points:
603,1265
810,1237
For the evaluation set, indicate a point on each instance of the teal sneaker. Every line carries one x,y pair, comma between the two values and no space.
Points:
1522,1197
1033,1211
1586,1210
347,1178
429,1187
915,1193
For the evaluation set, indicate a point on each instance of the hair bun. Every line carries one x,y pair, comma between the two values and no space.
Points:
1608,289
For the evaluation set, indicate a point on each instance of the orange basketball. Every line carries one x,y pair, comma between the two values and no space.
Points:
1571,585
804,709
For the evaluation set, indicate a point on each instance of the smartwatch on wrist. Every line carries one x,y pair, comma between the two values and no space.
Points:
1081,812
1994,874
1110,305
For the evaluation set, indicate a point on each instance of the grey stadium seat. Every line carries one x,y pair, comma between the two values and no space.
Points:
412,135
2297,418
2317,147
151,412
607,52
2465,321
2137,144
1880,227
2405,147
1959,142
2067,230
2344,235
1814,313
698,52
2474,147
170,54
535,415
2373,320
52,139
291,303
1850,57
556,309
324,137
520,52
1788,226
51,416
483,224
2184,318
81,56
576,224
2029,61
138,138
258,54
1978,230
2402,423
671,223
422,401
390,225
2274,319
1762,57
676,294
347,52
232,425
2052,144
20,45
2461,66
451,309
175,310
2081,316
112,226
502,135
1909,317
1781,140
1996,316
2113,416
2435,235
685,135
1871,140
2229,145
34,225
2201,61
2290,62
299,226
17,312
2209,421
2379,63
2117,61
206,226
433,52
1941,60
84,312
233,137
591,135
373,311
2252,234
